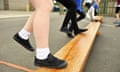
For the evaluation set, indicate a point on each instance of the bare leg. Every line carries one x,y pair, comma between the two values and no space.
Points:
41,22
22,37
41,31
117,17
29,24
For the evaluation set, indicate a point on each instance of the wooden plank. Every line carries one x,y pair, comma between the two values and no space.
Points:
98,19
76,51
16,66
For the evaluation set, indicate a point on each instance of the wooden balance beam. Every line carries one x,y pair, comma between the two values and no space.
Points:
76,51
16,66
98,19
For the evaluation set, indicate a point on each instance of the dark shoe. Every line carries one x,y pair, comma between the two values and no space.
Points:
25,43
50,62
70,35
80,17
80,31
118,25
65,29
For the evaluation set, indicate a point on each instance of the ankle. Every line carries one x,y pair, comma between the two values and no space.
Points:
42,53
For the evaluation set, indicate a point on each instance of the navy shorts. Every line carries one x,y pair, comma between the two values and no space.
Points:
117,10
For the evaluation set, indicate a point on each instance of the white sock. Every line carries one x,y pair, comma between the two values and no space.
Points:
24,34
42,53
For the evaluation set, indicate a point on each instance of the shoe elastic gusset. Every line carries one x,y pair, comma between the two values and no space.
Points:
50,62
25,43
70,35
80,31
65,29
118,25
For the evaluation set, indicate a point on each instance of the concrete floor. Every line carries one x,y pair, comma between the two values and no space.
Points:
104,56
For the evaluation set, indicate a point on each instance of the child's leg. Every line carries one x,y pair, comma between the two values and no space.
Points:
41,22
89,13
71,6
117,15
41,32
82,15
29,24
88,5
22,37
93,13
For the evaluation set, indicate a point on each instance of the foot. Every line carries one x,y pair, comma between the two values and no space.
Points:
50,62
80,31
118,25
70,35
25,43
80,18
65,29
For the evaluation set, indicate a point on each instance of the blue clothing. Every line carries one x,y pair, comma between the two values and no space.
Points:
79,5
95,6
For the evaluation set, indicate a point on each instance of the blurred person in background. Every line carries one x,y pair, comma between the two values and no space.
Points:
117,15
70,15
87,3
92,12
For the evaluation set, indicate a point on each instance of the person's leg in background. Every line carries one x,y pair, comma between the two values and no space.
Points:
74,27
71,15
79,10
88,5
82,15
96,13
117,16
71,6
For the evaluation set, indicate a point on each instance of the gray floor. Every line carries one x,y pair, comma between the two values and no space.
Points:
104,56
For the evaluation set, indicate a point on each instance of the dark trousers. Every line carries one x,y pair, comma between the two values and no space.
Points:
70,15
117,9
96,13
82,15
88,5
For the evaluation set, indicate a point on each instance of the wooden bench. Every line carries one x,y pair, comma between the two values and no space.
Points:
98,19
16,66
76,51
